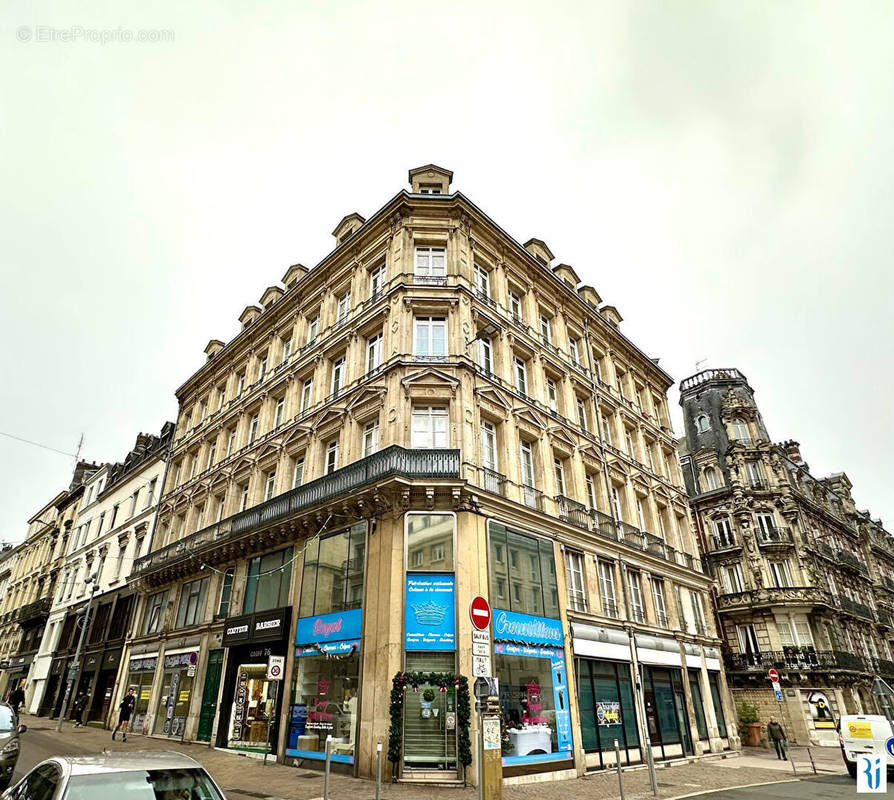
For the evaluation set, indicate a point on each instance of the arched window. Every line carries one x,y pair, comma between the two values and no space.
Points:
740,428
702,423
711,481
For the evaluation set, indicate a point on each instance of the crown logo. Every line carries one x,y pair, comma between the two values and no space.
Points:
430,613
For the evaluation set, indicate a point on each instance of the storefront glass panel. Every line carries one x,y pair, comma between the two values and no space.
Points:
698,704
176,688
140,676
253,708
324,703
713,682
607,710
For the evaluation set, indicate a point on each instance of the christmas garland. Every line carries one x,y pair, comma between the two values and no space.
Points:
443,680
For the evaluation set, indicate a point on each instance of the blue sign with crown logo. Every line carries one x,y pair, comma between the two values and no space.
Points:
430,611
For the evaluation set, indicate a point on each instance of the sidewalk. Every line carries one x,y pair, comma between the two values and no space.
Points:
244,777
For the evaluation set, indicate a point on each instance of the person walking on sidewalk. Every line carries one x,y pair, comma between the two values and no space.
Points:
80,704
778,737
125,710
17,698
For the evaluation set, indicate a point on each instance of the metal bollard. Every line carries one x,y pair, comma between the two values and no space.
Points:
618,764
810,756
326,771
379,771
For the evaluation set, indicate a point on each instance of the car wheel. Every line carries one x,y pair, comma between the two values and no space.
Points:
851,769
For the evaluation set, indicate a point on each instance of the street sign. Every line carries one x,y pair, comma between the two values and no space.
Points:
778,693
480,649
479,611
191,671
481,666
276,667
773,675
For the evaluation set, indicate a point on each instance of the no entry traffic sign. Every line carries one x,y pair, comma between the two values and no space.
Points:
479,611
773,675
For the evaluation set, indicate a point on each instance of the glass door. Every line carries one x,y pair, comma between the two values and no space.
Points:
430,722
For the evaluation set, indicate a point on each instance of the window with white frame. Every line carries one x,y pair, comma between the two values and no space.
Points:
344,306
607,431
279,413
659,601
617,505
253,428
747,639
482,281
702,423
231,441
521,376
243,497
338,376
698,611
546,329
732,579
270,485
262,367
286,349
240,384
573,350
515,307
641,514
307,394
711,478
622,376
376,281
723,532
607,588
591,490
332,456
755,474
370,437
635,587
374,352
488,445
313,328
485,355
577,591
431,338
781,573
559,472
212,449
739,429
526,454
429,427
298,472
628,441
431,263
766,526
582,415
221,396
552,395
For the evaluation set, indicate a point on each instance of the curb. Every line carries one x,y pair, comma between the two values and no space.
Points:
731,788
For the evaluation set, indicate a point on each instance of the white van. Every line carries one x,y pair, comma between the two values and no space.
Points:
863,734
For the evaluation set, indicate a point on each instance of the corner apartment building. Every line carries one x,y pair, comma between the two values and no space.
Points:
806,581
112,528
431,413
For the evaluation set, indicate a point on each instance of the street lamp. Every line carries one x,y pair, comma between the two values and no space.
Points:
75,669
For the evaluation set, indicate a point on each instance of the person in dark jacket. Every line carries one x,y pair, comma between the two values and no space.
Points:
17,698
777,735
125,711
80,704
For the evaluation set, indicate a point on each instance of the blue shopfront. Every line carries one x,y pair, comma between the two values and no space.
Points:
529,652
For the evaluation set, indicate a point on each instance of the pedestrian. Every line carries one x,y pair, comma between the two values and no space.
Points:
80,704
778,737
125,710
17,698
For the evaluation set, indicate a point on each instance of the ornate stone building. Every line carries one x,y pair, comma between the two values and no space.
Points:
805,581
433,412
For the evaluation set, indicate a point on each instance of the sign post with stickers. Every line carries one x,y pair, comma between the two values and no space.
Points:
276,667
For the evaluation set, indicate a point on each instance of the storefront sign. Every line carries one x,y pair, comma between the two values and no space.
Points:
143,663
337,627
430,612
608,713
491,733
264,626
181,659
239,704
332,648
512,626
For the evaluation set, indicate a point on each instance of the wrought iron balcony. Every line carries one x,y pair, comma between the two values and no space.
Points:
847,559
774,536
822,548
888,583
883,666
884,618
856,608
39,608
573,512
393,461
796,659
716,542
631,536
493,481
533,498
604,525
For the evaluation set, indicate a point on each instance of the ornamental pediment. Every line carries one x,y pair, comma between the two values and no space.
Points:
429,381
527,416
494,397
560,438
372,396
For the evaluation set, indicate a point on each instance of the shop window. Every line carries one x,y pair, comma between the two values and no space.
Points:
607,709
252,710
140,675
176,687
430,542
333,572
533,588
695,689
192,603
267,584
226,591
718,705
153,617
324,703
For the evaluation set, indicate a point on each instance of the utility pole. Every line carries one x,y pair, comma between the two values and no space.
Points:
74,670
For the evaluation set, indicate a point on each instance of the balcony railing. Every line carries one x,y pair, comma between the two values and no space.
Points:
856,608
610,608
493,481
723,542
604,525
38,608
533,498
796,660
884,618
430,280
394,460
847,559
888,583
573,512
883,666
631,536
774,536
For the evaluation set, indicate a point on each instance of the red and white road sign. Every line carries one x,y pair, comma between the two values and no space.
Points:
773,675
479,611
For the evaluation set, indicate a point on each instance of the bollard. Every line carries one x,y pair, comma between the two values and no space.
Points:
326,771
810,756
618,763
379,771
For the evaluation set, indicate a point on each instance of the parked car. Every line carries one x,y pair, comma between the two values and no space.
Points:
863,734
112,776
10,730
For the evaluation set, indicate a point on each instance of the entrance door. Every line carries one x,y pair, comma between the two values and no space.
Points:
209,695
430,722
682,723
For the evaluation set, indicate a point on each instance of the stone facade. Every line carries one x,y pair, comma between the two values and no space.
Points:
433,405
804,579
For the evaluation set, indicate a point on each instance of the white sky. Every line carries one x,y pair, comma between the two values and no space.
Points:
721,172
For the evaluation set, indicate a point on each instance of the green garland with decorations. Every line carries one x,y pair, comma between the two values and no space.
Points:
413,680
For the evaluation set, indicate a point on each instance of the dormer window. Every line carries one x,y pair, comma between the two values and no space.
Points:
429,188
430,179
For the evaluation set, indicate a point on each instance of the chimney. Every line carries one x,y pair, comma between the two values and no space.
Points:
793,451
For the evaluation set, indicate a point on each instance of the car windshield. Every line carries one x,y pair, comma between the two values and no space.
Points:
153,784
7,719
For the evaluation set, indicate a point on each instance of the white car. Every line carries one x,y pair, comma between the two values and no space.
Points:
113,776
863,734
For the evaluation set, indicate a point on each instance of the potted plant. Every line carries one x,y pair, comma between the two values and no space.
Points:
749,721
428,697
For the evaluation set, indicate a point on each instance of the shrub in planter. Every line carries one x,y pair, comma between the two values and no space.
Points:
428,695
749,721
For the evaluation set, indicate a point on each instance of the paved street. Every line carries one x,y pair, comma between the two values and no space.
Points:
244,778
828,787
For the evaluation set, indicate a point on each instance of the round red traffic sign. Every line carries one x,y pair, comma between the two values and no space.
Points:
479,611
774,675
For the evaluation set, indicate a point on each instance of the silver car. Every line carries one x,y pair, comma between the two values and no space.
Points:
115,776
10,730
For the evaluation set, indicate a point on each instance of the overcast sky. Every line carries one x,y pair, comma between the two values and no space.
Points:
721,172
